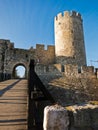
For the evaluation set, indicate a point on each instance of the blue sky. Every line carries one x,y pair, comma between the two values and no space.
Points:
28,22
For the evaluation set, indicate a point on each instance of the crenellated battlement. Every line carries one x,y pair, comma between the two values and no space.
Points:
83,71
68,14
41,47
4,40
40,54
68,70
6,44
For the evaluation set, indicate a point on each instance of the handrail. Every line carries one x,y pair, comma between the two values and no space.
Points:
37,93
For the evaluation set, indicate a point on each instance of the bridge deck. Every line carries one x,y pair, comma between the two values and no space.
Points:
13,105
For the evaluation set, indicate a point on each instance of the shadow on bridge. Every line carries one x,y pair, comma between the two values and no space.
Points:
8,88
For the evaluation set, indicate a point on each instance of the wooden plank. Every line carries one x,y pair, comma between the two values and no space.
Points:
14,106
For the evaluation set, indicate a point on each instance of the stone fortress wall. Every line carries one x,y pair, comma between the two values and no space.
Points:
45,61
62,68
67,70
11,57
66,57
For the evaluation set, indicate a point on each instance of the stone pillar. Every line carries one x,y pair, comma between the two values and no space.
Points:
55,118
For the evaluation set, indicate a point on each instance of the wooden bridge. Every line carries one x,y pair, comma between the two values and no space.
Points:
22,102
13,105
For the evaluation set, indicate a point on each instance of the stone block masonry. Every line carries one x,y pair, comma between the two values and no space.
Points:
55,118
77,117
45,62
69,38
11,57
69,70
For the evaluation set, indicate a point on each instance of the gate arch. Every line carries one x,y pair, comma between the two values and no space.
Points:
14,68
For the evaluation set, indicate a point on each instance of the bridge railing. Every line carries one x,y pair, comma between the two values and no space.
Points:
39,97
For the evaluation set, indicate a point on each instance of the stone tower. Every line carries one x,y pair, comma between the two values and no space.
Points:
69,39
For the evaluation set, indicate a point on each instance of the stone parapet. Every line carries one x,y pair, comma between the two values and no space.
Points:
77,117
55,118
69,70
44,69
83,117
83,72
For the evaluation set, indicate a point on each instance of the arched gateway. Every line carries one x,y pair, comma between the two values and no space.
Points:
15,73
11,57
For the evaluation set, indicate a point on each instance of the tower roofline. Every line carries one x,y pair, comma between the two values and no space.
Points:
68,14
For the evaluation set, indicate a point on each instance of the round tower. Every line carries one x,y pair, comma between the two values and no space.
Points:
69,39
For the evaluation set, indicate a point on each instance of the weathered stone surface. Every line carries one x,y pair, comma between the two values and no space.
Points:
67,90
69,39
77,117
11,57
83,117
55,118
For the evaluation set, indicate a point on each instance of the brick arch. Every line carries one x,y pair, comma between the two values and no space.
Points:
20,64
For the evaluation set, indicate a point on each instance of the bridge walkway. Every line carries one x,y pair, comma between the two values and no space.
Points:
13,105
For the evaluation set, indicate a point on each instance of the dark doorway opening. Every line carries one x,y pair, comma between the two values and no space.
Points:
19,72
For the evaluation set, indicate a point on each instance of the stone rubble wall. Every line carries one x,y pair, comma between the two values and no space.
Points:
77,117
